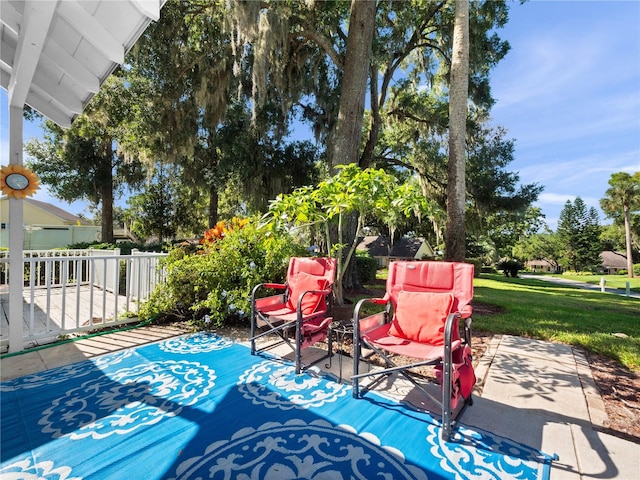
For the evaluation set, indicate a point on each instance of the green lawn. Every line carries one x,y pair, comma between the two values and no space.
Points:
611,281
538,309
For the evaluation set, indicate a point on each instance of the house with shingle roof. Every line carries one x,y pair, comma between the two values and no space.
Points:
47,226
405,248
542,266
610,263
613,262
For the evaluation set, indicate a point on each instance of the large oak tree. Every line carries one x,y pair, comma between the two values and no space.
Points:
89,160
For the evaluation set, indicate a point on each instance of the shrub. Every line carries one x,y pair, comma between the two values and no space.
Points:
636,269
510,267
367,266
212,284
623,272
125,247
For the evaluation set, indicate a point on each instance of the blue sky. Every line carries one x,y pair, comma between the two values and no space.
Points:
568,92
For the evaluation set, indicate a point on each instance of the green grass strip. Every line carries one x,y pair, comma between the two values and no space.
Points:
602,323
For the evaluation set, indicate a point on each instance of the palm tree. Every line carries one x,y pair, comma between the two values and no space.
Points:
623,196
455,248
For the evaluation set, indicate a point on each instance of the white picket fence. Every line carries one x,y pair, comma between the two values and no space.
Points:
69,291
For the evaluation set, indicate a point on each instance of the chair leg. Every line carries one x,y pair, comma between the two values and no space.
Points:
356,369
253,325
446,396
298,352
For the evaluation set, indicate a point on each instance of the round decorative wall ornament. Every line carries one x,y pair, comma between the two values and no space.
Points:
18,181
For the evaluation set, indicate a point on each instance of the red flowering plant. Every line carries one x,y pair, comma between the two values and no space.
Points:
221,229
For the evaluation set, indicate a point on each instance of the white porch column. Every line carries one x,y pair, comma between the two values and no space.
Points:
16,237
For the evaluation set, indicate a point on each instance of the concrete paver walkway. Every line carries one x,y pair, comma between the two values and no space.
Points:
537,393
542,394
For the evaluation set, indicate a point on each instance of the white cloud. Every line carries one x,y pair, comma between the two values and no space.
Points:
555,198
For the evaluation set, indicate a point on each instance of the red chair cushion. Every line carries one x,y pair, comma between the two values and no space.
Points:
299,284
420,316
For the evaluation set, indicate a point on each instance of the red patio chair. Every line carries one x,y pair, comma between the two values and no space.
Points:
424,302
304,306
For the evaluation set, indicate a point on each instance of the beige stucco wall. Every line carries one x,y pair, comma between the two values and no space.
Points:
46,237
32,215
44,230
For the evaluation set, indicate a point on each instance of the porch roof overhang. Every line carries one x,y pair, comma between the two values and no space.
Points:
55,54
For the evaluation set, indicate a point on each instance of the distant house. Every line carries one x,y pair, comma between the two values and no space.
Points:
613,262
541,266
47,226
404,248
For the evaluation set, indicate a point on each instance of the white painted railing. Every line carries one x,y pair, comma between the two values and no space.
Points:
143,274
35,271
68,291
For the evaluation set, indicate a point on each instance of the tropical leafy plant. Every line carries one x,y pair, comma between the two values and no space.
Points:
212,284
365,194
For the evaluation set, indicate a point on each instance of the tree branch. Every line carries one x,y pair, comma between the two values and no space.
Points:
324,45
404,114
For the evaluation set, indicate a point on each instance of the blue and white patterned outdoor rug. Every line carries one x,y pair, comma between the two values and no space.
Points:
201,406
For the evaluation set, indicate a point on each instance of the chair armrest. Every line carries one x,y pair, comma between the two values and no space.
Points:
376,301
275,286
448,329
379,301
324,292
363,325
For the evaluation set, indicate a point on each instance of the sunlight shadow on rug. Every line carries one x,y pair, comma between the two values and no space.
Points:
201,406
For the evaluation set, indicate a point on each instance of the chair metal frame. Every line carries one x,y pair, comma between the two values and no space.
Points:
452,343
282,323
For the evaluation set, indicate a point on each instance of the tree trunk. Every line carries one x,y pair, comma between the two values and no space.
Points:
455,249
353,86
107,212
106,192
214,199
374,131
